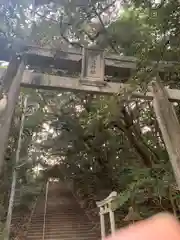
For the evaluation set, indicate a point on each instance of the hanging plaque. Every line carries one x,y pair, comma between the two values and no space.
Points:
92,65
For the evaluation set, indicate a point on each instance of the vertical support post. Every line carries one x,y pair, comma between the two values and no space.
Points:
169,126
102,223
112,220
14,175
45,209
10,87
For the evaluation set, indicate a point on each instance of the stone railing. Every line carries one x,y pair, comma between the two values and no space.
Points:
107,206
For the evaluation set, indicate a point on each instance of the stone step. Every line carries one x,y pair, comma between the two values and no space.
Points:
63,234
63,227
67,229
59,221
60,216
60,213
60,210
63,238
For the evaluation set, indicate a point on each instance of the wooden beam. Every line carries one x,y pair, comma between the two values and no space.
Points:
76,55
169,125
12,92
44,81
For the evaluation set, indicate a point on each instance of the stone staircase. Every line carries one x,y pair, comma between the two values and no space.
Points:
64,220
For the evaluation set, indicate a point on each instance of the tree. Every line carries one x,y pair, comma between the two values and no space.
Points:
105,143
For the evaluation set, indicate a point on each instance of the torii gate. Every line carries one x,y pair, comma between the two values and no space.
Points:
91,66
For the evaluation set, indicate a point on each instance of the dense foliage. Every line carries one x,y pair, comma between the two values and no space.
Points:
102,143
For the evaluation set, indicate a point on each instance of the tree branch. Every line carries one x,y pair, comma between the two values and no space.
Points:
104,29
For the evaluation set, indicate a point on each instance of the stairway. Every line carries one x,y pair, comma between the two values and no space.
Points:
65,219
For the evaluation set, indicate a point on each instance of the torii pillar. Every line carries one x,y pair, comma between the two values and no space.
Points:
10,87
